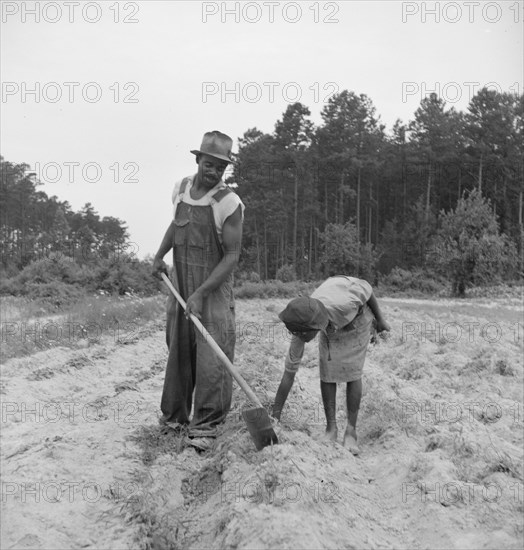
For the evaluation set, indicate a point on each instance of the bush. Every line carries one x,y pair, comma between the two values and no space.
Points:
54,280
246,277
10,287
286,274
399,279
53,275
55,292
48,270
253,277
274,289
419,280
120,277
342,252
469,246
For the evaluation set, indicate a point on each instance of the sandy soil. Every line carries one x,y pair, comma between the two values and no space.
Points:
86,465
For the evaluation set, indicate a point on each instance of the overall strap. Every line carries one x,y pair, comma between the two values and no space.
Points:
219,195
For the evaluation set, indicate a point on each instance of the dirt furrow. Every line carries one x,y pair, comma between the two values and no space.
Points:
85,463
68,463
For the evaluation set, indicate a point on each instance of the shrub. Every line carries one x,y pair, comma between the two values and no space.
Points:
242,277
55,292
56,268
404,280
274,289
10,286
120,277
253,277
286,274
250,290
342,252
399,279
114,276
469,246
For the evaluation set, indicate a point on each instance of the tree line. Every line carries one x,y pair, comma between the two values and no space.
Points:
34,226
441,193
348,189
49,251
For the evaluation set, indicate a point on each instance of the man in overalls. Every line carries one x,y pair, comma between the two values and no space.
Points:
205,236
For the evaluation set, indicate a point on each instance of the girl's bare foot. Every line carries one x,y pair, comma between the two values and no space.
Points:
331,434
350,441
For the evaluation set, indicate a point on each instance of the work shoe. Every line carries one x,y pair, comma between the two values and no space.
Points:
176,426
201,443
197,432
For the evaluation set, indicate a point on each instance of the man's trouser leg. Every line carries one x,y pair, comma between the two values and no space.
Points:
214,384
180,370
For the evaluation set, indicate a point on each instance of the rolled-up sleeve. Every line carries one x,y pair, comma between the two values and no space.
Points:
294,354
175,197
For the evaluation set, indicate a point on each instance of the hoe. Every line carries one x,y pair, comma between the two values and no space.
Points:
257,419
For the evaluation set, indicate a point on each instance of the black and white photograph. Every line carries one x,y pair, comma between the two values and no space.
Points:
262,275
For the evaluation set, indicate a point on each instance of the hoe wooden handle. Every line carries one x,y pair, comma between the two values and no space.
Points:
225,359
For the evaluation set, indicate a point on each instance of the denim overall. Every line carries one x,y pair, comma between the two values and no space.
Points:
192,365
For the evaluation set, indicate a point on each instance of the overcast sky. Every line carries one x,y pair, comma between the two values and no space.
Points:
105,99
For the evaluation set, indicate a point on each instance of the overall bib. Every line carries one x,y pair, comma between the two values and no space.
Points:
192,365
